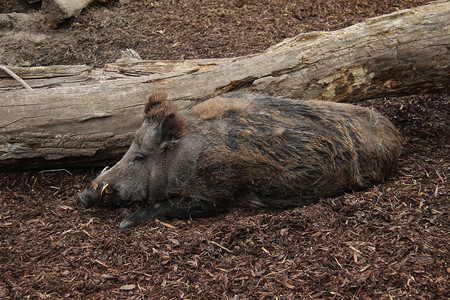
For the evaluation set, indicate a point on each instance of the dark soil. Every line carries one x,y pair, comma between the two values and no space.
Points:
390,242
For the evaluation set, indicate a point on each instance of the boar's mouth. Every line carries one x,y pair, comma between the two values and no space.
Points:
104,195
99,195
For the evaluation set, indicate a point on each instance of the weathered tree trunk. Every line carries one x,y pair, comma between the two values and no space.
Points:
80,116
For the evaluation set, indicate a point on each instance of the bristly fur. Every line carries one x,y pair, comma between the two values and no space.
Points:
158,107
246,150
154,99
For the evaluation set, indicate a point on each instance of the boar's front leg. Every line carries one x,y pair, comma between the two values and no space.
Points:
184,208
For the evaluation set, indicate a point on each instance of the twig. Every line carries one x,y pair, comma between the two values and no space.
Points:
99,262
440,177
338,262
265,250
55,170
17,78
165,224
220,246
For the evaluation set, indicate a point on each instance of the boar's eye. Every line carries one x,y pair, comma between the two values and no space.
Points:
139,157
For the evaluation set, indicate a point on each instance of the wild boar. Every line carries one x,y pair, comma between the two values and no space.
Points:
245,151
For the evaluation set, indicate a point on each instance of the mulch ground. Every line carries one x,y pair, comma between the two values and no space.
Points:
389,242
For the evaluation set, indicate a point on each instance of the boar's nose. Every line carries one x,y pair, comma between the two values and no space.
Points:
86,197
83,201
90,195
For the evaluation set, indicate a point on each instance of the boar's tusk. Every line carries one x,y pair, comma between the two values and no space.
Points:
105,191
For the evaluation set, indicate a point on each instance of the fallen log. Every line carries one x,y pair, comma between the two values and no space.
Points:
78,116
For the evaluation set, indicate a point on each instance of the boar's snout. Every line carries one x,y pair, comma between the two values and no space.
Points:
88,197
96,194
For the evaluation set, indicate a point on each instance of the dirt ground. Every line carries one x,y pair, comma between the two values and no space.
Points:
389,242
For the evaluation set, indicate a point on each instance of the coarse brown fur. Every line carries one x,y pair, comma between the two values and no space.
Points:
288,152
216,108
158,107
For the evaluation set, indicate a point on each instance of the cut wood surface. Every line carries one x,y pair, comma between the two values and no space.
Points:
76,115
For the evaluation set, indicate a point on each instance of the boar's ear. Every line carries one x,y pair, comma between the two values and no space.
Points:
155,99
172,127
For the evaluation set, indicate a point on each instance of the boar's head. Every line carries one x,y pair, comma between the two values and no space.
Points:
140,175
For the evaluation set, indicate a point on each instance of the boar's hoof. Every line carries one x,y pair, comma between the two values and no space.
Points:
137,217
127,223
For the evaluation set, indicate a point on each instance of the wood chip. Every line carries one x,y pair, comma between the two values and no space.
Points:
65,207
165,224
265,250
127,287
175,242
